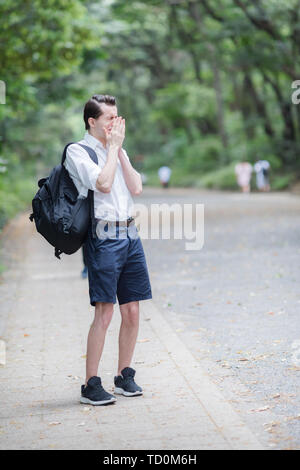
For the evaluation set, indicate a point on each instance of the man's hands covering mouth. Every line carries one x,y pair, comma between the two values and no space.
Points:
116,134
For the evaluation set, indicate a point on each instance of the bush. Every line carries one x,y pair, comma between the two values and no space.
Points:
14,197
281,182
220,179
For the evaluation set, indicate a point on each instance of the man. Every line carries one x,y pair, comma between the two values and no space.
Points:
164,173
262,168
116,263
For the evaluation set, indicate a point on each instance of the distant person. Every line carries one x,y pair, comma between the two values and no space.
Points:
262,170
164,174
243,173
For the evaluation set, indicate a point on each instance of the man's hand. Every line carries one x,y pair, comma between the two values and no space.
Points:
114,139
116,136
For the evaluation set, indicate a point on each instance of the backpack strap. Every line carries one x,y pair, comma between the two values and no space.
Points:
90,151
65,152
93,157
57,252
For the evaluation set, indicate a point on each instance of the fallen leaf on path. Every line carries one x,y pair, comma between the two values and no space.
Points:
271,430
261,409
295,368
272,424
54,423
291,418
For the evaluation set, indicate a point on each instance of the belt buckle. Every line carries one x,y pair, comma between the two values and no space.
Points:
129,220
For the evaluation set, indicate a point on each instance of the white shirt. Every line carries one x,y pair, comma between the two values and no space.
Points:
261,165
164,173
115,205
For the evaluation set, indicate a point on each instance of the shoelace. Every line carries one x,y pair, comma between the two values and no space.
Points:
97,386
129,380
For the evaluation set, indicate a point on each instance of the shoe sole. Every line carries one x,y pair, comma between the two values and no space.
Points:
120,391
87,401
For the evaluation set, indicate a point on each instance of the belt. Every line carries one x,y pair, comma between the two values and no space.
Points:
117,223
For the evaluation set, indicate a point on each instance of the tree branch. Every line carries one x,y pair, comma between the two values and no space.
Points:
263,24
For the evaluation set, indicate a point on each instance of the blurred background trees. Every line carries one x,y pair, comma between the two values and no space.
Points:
203,84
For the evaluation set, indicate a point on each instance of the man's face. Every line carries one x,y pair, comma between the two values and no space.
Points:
105,121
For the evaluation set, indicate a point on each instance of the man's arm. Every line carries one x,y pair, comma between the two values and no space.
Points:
114,141
132,178
106,177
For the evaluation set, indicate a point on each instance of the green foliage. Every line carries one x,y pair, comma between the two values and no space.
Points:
15,195
202,85
224,178
281,182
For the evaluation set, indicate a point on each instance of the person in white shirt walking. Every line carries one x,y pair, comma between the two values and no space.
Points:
262,169
164,174
115,257
243,173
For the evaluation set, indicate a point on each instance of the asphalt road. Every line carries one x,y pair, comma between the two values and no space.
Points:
236,302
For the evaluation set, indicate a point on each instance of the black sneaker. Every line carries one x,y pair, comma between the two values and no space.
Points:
94,393
125,384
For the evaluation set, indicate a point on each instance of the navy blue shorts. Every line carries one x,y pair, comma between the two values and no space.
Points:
117,267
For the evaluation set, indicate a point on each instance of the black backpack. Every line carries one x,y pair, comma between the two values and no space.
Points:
58,215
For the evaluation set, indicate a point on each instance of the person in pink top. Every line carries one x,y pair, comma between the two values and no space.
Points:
243,173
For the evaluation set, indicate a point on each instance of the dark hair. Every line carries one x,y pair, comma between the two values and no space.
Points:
93,109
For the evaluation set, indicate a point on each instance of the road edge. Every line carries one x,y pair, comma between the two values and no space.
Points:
230,425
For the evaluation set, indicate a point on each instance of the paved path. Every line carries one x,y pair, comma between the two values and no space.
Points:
235,304
45,316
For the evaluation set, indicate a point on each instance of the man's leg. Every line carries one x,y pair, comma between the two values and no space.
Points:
96,337
128,333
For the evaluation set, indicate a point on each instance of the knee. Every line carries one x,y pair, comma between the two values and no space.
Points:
130,315
103,316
